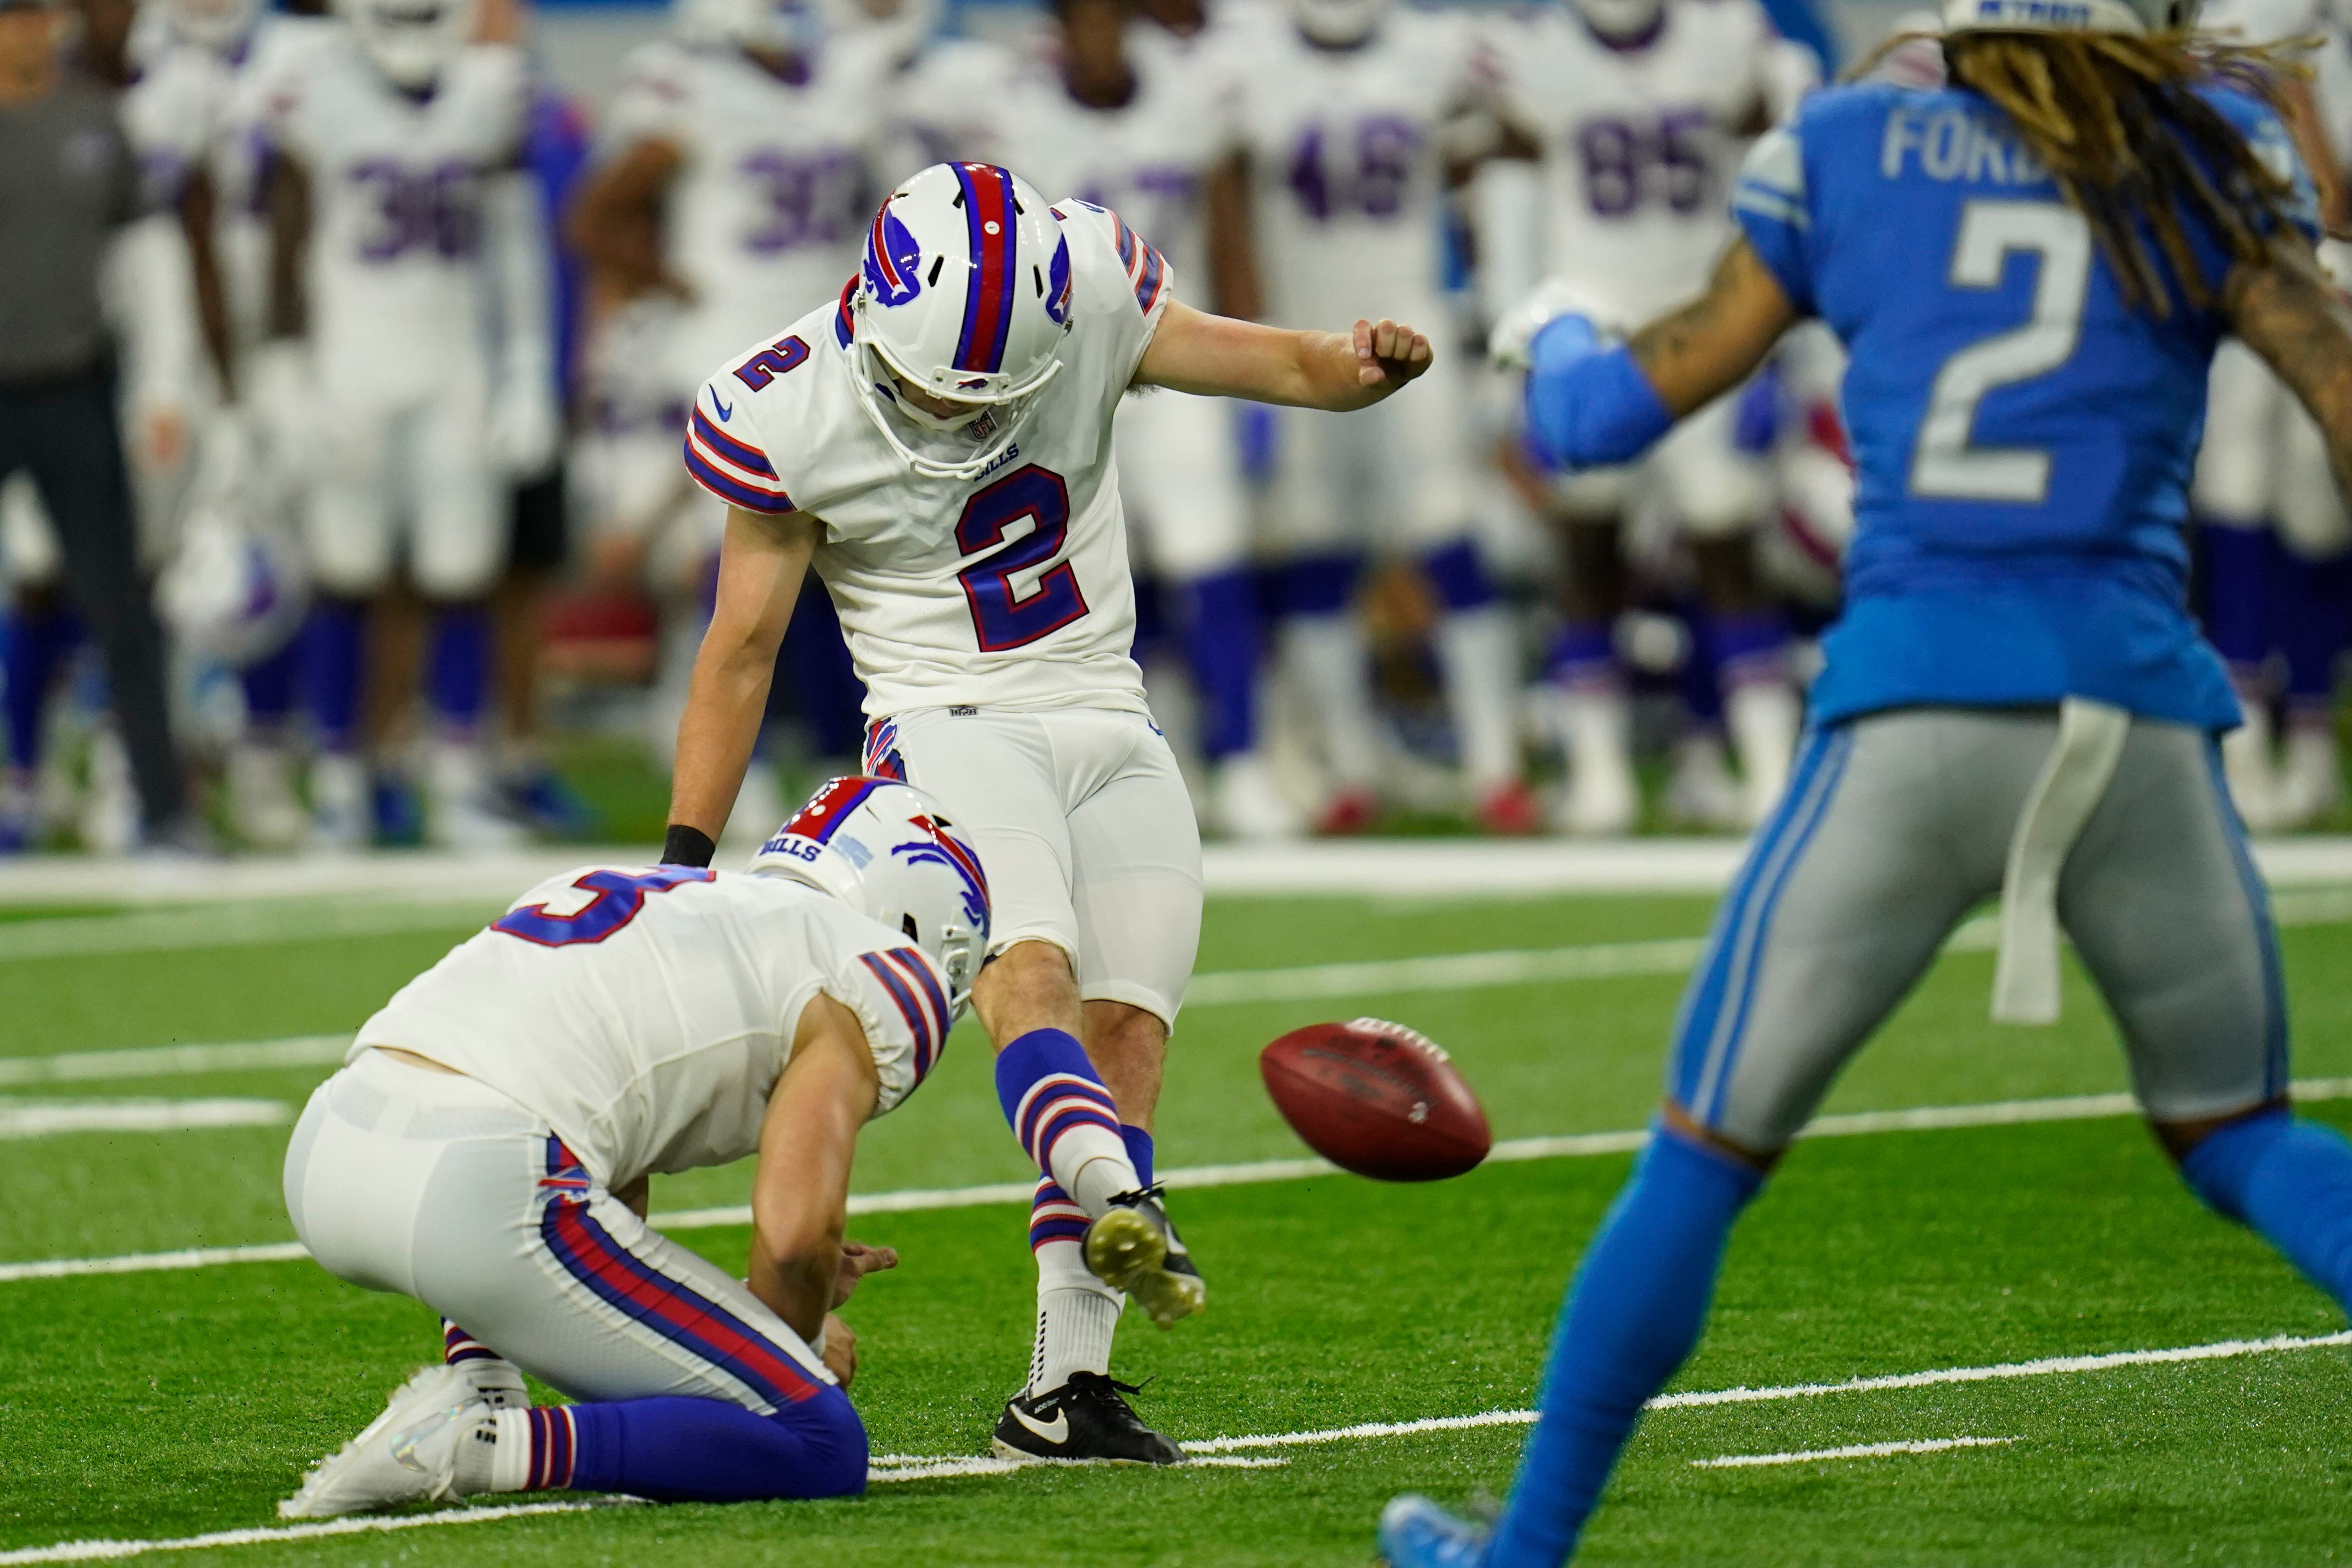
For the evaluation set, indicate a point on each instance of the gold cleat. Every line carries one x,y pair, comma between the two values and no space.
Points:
1131,1246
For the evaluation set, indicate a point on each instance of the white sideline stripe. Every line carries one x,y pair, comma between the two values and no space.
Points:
1578,1145
105,1550
229,925
43,1118
910,1467
1446,971
1852,1451
2049,1366
176,1061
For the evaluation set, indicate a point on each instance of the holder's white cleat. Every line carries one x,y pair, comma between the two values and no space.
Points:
408,1454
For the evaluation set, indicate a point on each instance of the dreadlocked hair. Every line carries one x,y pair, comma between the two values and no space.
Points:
2120,125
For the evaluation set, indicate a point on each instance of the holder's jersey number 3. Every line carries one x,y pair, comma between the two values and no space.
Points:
1002,615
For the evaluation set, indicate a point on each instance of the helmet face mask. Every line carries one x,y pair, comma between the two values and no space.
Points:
411,41
889,851
965,296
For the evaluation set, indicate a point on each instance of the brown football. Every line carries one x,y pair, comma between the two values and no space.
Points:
1377,1099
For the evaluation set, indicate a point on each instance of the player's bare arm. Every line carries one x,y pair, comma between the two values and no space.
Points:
2288,313
287,198
1216,356
800,1266
617,221
762,562
1234,280
1695,354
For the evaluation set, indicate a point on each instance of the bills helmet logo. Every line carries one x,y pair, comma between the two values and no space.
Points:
893,260
1058,284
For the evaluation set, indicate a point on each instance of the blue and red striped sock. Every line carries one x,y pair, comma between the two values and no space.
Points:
1064,1116
675,1449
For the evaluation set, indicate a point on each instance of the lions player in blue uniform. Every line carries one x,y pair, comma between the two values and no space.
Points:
2030,268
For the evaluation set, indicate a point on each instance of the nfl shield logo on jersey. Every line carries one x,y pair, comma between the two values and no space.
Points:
893,260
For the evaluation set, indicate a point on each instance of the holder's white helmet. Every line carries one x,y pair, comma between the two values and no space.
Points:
1339,24
411,40
965,295
2134,17
888,850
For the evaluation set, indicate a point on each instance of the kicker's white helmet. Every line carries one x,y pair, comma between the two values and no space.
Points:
411,41
2133,17
888,850
1339,24
1620,20
965,295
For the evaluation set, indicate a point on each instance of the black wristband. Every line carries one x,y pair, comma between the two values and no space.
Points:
687,846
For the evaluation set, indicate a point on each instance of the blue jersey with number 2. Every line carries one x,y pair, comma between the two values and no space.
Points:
2024,437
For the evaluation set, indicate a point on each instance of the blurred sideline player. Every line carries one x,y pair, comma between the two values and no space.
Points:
1341,125
1138,131
2272,522
737,169
1639,110
2016,692
407,249
487,1148
938,444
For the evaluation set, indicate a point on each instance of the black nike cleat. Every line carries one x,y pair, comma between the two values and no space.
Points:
1131,1246
1085,1418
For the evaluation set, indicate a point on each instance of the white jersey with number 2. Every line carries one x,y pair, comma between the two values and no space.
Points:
1008,590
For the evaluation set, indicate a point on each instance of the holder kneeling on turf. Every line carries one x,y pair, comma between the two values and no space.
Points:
486,1148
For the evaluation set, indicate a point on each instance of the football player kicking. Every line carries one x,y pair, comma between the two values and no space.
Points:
938,444
2015,694
486,1150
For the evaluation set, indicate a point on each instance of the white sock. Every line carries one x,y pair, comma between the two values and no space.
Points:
1076,1316
1069,1126
1478,654
1328,657
1100,1179
495,1457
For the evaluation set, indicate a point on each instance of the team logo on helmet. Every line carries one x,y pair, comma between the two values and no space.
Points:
942,848
1058,284
893,260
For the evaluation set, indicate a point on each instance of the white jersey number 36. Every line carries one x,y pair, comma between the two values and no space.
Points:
1944,463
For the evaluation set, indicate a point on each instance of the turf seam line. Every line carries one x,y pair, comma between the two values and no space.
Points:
1579,1145
1851,1451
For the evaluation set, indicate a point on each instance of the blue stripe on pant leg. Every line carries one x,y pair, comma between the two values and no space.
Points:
1824,794
2258,909
1703,1002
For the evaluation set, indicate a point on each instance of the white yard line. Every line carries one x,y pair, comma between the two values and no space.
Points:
44,1118
1579,1145
910,1467
1211,1451
106,1550
1443,972
1852,1451
233,925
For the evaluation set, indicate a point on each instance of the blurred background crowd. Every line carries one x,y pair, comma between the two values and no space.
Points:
345,360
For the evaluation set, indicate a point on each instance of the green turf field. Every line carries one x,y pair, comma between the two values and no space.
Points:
154,1405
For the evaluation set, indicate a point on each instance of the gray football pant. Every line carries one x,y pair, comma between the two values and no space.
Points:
1898,823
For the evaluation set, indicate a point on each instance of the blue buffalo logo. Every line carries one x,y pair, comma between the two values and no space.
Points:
893,260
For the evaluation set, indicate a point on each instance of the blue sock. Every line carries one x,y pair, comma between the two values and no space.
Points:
1750,646
1218,615
1584,654
1138,1150
30,648
269,689
2291,1183
1633,1318
330,671
2315,621
1314,584
1700,679
1459,576
1056,1104
677,1449
458,669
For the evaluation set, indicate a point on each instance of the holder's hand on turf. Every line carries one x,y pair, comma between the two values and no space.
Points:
1388,355
858,1260
840,1350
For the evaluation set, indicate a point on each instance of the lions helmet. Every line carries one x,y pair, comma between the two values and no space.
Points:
965,296
411,41
888,850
